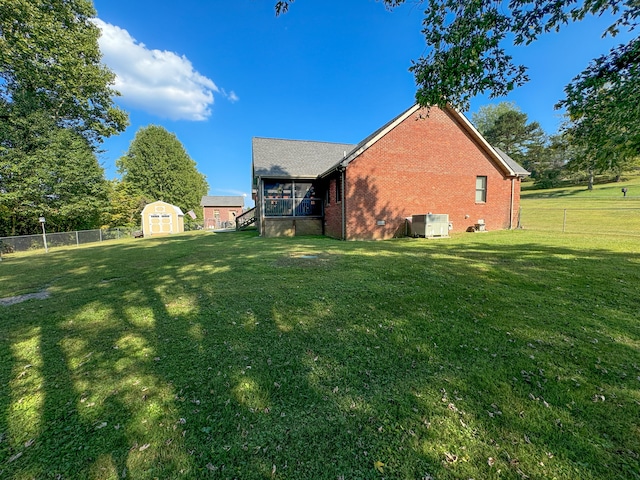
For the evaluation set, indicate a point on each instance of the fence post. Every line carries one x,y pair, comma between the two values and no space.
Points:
101,235
77,239
564,220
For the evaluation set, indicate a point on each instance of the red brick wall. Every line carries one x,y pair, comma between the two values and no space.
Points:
225,215
424,165
333,212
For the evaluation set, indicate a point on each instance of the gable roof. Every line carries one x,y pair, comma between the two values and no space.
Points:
509,166
515,166
222,201
277,158
175,208
307,159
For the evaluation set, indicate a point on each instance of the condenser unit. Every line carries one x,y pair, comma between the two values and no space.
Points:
430,225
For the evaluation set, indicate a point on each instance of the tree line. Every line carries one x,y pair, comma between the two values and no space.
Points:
552,159
56,108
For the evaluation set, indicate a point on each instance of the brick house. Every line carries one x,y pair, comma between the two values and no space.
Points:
418,163
221,211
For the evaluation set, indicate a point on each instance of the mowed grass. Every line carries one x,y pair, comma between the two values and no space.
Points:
510,354
575,209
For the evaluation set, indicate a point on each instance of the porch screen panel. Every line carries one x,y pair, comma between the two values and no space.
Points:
306,203
278,199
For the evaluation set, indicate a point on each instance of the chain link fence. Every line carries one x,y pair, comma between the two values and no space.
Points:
26,243
587,221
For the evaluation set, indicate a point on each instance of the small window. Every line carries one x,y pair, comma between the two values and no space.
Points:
481,189
327,195
338,190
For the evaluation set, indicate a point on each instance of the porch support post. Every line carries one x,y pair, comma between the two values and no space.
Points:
261,204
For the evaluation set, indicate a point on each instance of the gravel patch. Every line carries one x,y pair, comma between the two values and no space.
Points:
23,298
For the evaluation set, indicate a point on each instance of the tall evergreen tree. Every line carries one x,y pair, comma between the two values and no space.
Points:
506,127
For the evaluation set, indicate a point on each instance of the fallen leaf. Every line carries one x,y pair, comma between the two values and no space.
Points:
379,466
491,461
144,447
15,457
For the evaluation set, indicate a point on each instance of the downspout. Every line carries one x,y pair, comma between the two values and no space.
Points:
344,208
511,203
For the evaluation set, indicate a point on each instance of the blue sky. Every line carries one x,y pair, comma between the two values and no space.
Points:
217,73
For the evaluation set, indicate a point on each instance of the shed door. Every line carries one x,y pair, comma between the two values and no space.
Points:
160,223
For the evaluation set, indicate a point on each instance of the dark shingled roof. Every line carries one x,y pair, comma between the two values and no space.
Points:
295,158
222,201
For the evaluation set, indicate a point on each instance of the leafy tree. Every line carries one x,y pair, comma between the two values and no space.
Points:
50,61
158,166
603,105
125,205
55,107
54,174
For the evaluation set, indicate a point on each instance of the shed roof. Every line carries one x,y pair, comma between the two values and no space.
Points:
222,201
175,208
278,158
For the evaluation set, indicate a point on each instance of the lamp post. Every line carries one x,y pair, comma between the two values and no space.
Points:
44,234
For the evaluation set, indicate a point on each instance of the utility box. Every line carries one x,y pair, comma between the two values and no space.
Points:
430,225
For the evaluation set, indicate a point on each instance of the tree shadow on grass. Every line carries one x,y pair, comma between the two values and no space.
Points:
415,355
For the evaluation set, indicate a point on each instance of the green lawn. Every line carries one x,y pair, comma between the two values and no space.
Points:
510,354
603,210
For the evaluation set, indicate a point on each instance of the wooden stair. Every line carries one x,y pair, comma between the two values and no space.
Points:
245,220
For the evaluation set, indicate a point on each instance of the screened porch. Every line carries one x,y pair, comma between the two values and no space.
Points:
291,199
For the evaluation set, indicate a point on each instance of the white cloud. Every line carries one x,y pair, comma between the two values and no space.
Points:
157,81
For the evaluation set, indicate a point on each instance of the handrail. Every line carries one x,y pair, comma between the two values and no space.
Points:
246,218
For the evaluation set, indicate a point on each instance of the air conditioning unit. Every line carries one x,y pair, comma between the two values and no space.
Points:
430,225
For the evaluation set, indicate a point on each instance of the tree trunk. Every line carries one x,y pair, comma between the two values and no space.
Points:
590,184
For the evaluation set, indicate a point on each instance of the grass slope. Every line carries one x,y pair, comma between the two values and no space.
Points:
574,209
501,355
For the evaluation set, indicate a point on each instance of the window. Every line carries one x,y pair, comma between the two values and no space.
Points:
338,189
481,189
